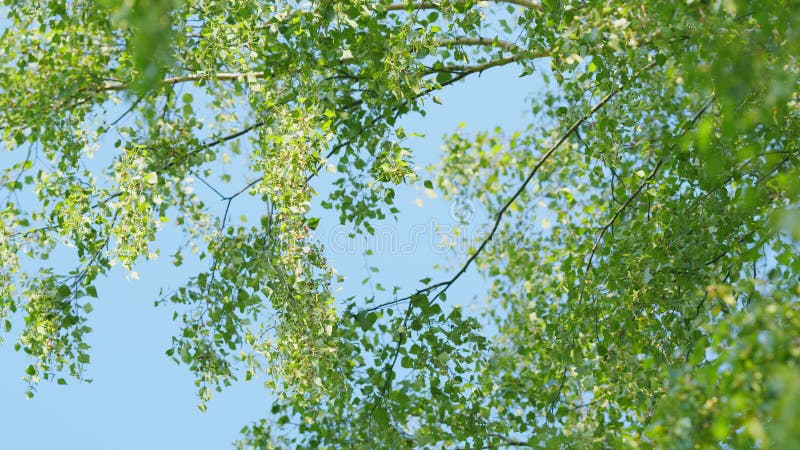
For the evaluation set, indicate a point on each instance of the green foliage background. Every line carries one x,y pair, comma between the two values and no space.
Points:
655,306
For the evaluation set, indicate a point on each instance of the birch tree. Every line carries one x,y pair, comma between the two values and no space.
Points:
655,304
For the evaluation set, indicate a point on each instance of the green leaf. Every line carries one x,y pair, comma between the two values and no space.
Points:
419,300
151,178
64,291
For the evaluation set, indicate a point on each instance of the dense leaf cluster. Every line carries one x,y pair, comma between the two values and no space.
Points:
641,250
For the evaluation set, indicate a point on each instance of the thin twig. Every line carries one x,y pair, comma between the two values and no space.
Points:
203,180
524,185
499,216
235,135
127,111
505,45
436,5
619,211
222,76
689,126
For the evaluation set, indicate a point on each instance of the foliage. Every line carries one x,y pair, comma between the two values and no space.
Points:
652,303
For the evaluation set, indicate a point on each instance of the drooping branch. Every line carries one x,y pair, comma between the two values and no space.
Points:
692,122
639,189
524,185
466,71
619,211
499,216
460,75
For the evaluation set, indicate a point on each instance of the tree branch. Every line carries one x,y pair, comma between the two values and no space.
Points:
694,120
460,75
223,76
231,76
524,185
506,442
618,212
463,70
446,284
505,45
638,190
232,136
436,5
499,216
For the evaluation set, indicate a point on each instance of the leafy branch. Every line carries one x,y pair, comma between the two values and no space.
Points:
499,215
411,6
445,285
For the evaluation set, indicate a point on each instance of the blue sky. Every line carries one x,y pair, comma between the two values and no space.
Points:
141,399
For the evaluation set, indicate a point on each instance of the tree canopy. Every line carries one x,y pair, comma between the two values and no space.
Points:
641,249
